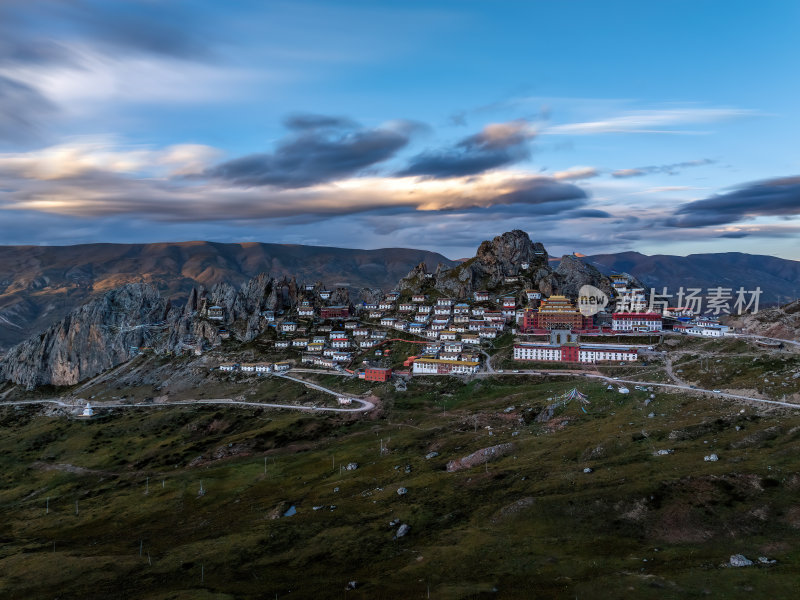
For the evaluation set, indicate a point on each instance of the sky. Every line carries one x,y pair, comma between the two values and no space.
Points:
662,128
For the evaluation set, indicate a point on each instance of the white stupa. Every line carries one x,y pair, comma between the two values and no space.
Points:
88,411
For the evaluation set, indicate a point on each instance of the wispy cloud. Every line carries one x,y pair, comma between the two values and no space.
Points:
652,121
671,169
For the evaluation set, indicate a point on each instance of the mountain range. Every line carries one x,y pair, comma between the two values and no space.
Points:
778,278
41,284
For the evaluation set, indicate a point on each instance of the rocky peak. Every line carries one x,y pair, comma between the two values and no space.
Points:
574,274
97,336
507,252
511,254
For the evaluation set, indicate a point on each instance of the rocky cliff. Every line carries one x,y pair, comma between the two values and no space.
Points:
95,337
510,255
782,322
41,285
109,330
573,273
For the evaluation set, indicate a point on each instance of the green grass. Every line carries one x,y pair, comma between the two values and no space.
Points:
530,524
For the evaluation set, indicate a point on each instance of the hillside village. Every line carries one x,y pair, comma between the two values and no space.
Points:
446,321
451,335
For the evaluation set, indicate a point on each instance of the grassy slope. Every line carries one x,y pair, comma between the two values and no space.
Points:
530,524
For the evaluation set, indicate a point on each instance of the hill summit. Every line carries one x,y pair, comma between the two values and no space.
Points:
509,262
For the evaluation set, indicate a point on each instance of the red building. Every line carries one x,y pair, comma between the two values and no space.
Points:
377,374
334,312
555,313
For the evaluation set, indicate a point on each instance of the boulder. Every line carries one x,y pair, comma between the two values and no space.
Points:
740,560
480,457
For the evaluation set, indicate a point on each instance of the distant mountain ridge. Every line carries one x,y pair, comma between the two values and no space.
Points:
41,284
778,278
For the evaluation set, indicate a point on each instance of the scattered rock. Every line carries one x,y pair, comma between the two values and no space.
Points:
663,452
588,470
766,561
402,491
651,415
403,530
480,457
509,409
351,585
431,455
711,458
336,489
740,560
351,466
408,468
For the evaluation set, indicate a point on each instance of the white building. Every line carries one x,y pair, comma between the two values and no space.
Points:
631,321
591,353
416,328
435,366
340,343
540,352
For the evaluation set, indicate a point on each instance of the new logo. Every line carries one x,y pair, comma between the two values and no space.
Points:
591,300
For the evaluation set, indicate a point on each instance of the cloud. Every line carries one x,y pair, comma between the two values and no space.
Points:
102,156
773,197
121,26
590,213
671,169
22,110
576,173
95,178
305,121
321,149
651,121
497,145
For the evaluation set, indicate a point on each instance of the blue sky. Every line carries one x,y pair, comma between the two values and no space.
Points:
597,127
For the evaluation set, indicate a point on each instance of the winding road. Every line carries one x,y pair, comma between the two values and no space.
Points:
363,405
613,380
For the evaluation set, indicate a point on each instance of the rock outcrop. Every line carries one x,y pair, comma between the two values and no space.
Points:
479,457
574,273
507,263
95,337
782,322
